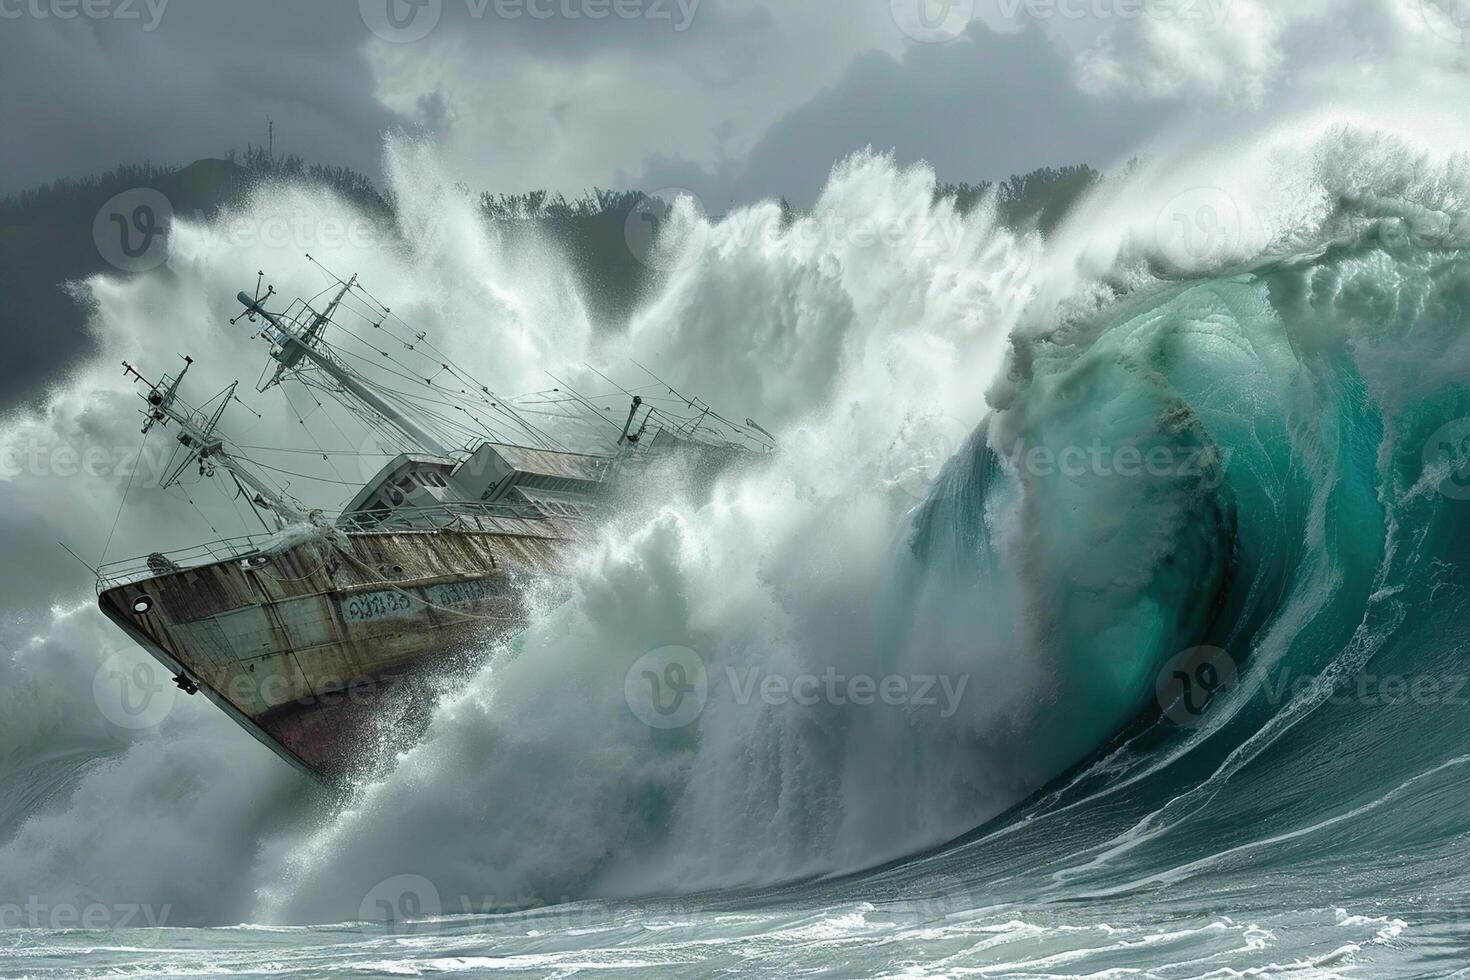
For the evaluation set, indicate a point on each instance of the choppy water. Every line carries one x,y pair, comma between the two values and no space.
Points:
1172,533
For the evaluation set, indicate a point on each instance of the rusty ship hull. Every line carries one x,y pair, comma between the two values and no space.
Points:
328,638
325,650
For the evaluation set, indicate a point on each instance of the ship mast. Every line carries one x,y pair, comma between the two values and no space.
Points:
292,346
204,443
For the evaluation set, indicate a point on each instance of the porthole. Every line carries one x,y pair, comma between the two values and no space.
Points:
142,604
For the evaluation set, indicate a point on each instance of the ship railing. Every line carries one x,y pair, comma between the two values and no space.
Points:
455,515
464,514
123,571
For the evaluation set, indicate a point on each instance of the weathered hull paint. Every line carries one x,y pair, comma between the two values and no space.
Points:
325,652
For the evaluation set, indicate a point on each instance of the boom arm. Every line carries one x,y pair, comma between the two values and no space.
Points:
294,347
203,442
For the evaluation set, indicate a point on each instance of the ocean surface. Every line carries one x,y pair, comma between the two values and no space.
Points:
1103,615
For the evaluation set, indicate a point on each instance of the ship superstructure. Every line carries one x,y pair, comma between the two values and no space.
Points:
324,633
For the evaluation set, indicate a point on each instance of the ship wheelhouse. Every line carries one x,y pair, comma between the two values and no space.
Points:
412,490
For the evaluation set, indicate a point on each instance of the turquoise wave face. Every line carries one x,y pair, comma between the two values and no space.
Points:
1263,465
1318,553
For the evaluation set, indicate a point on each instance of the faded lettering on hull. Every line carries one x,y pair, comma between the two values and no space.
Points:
370,607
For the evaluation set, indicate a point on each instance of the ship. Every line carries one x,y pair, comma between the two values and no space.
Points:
328,635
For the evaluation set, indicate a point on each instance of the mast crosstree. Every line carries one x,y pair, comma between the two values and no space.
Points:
290,348
202,442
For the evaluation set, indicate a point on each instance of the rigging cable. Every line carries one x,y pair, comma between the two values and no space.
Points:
445,363
123,502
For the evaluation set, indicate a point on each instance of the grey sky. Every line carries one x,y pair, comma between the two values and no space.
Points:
985,107
738,98
85,94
